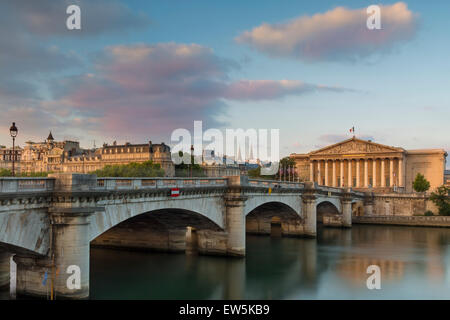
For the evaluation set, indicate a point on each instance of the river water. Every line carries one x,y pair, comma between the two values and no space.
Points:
414,264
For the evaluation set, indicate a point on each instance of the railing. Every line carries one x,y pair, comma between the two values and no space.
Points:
274,184
12,184
155,183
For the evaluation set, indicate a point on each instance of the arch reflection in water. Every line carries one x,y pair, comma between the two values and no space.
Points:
413,264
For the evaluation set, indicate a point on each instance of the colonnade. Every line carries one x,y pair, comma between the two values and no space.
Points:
380,172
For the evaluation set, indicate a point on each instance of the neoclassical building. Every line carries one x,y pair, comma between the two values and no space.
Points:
362,164
68,156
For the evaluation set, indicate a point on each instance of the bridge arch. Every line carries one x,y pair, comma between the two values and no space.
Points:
274,218
169,230
210,208
326,208
293,202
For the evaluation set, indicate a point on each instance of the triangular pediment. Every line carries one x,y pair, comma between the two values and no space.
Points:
355,145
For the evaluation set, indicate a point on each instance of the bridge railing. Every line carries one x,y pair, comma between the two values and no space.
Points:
154,183
274,184
13,184
331,189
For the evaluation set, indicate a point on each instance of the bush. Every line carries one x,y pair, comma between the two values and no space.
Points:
5,173
428,213
442,200
145,169
421,184
8,173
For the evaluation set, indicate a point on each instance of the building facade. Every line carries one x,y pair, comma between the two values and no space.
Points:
7,155
364,165
68,156
447,178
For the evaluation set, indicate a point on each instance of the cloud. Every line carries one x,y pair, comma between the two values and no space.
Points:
338,34
48,17
30,28
272,89
147,89
30,56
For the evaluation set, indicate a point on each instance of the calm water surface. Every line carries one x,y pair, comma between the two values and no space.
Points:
414,262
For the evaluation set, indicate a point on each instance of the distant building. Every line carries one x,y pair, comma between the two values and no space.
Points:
6,157
68,156
447,178
367,165
216,167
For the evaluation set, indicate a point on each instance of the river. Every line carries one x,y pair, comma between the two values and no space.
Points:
414,264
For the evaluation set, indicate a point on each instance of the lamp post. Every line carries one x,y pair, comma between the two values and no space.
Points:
192,159
13,131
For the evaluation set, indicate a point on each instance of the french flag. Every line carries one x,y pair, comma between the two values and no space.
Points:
174,192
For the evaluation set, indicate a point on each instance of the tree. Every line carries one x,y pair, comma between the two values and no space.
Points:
441,198
421,184
8,173
5,173
134,169
256,174
184,169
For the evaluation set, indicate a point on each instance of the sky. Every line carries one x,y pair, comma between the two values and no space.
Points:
137,70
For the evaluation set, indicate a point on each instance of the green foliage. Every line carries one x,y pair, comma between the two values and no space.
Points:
184,169
428,213
421,184
287,161
8,173
441,198
5,173
145,169
256,174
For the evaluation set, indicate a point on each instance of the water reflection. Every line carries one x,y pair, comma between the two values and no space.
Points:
414,264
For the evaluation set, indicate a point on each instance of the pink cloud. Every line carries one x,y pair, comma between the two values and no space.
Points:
149,89
338,34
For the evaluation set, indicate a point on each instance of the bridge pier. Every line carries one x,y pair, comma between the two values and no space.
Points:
64,273
368,204
235,216
347,209
310,210
5,258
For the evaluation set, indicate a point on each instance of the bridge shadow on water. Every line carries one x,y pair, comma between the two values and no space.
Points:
333,266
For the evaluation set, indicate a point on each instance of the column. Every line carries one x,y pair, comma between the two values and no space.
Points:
374,173
319,174
358,173
342,173
334,174
326,172
400,172
383,176
349,178
366,173
311,170
391,172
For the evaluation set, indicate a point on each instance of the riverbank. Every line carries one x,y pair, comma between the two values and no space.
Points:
415,221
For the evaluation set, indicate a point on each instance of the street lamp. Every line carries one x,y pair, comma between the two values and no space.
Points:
13,131
192,158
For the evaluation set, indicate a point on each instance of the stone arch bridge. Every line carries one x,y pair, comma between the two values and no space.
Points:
48,224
